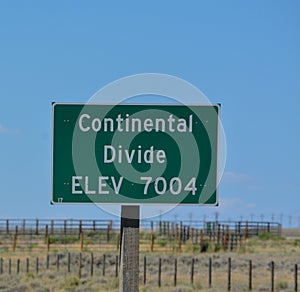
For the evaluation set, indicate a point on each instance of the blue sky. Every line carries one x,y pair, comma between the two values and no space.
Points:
243,54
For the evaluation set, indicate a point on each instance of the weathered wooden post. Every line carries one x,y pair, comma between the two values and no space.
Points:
27,265
7,226
103,266
80,265
145,270
175,272
18,266
92,264
23,226
69,262
81,240
37,265
272,275
37,227
15,239
1,266
117,267
129,266
47,261
250,275
192,271
209,272
229,275
65,227
296,278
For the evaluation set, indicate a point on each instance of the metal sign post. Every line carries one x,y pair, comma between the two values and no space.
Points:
129,249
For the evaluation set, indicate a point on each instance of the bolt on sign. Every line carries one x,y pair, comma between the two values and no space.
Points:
135,154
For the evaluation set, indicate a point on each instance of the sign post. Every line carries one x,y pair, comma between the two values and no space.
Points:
129,249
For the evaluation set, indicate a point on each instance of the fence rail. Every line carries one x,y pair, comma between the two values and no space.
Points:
73,226
34,233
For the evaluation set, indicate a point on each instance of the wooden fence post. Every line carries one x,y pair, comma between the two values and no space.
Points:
229,274
48,243
108,233
18,266
27,265
52,227
81,241
209,272
23,226
37,265
9,266
15,239
1,266
145,270
117,266
218,233
37,227
272,275
175,272
69,262
192,271
279,230
46,231
103,266
92,264
152,242
180,237
250,275
7,226
80,264
159,272
296,277
47,261
65,227
80,227
246,230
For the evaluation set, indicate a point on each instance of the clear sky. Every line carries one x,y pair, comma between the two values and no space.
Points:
242,54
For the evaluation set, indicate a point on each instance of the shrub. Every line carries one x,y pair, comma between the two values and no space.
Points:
162,242
266,236
191,247
204,246
282,285
71,283
63,239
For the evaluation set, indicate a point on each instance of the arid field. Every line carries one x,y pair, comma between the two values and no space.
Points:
64,267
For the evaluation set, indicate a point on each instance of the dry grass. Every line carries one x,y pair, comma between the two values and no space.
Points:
285,252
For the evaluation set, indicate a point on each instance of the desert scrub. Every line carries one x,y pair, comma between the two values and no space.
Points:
70,283
63,239
296,242
269,236
162,242
281,285
191,247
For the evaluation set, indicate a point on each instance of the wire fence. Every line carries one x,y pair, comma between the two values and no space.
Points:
161,271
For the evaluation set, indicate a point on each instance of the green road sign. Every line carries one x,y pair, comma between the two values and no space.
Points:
135,154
